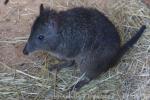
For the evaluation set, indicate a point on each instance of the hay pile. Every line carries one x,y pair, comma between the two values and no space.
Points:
129,80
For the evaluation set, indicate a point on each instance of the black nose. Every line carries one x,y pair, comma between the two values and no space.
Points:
25,52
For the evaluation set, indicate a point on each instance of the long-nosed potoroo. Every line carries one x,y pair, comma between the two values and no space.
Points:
81,36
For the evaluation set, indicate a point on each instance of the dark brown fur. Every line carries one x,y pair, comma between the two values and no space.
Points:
84,36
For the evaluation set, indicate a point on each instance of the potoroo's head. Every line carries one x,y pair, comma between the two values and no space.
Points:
44,35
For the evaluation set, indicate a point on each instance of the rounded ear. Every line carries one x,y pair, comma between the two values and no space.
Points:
41,8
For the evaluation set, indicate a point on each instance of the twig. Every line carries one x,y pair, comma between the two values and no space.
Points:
21,72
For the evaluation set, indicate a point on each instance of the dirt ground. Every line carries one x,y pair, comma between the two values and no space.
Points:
27,78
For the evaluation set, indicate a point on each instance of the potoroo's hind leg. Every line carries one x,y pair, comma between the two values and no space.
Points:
87,76
83,80
89,70
91,65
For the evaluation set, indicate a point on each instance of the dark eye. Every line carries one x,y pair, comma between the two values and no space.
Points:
41,37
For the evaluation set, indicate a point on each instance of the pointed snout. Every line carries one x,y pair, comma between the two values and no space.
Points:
25,50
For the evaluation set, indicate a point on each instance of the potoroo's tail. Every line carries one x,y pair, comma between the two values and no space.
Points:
128,45
131,42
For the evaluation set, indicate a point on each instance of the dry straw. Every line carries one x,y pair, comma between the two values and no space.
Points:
129,80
